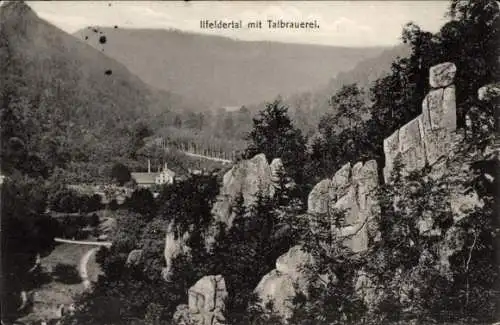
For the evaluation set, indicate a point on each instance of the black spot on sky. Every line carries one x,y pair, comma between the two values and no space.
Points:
102,39
108,72
116,26
109,4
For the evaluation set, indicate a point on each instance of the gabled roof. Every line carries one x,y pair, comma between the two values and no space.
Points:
144,178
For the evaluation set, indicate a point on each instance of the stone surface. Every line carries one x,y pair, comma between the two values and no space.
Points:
206,304
442,75
489,92
175,245
318,199
289,278
439,109
341,179
356,196
391,150
350,190
411,145
134,257
426,139
248,178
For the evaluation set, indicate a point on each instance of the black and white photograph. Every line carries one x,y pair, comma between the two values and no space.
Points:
250,162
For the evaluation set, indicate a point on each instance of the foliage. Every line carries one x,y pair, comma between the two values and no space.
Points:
120,173
26,232
189,202
246,252
274,135
68,200
142,202
331,293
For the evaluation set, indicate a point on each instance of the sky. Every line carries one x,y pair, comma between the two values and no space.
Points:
341,23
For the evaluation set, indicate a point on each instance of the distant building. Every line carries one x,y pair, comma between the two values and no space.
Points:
145,180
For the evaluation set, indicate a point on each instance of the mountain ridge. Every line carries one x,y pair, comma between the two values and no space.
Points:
222,71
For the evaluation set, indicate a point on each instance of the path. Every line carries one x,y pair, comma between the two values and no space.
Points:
82,267
225,161
82,242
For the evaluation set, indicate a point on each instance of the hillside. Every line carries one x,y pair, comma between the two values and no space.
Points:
221,71
75,103
307,107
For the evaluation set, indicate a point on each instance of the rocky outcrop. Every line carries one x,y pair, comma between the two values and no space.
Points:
175,245
351,190
426,139
319,199
248,178
282,284
206,304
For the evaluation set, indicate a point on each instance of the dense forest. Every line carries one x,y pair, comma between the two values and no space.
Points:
41,141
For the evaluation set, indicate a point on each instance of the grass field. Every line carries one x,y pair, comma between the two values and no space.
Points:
60,289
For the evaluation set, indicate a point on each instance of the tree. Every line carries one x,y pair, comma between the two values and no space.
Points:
120,173
348,105
142,202
274,135
26,232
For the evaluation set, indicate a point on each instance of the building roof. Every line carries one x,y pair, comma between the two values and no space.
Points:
144,178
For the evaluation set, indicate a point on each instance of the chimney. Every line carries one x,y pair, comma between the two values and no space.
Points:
149,166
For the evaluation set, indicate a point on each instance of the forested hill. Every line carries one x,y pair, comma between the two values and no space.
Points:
221,71
308,107
63,99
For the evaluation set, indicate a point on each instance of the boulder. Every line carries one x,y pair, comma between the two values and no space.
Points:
206,303
134,257
289,278
489,92
277,287
442,75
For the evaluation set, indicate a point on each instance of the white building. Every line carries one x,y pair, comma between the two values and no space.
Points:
165,176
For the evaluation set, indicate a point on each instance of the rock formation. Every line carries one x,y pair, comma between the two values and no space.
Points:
175,245
351,190
425,139
206,304
248,178
282,284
